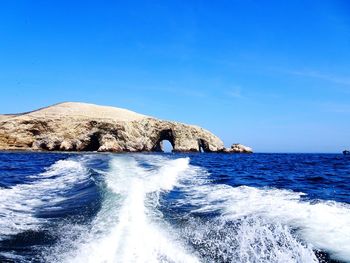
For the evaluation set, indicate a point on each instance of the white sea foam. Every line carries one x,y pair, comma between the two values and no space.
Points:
245,224
19,204
129,228
247,240
325,225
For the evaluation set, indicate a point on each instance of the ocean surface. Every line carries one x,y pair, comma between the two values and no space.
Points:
58,207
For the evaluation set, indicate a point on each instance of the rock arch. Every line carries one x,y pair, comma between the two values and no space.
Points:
168,135
203,146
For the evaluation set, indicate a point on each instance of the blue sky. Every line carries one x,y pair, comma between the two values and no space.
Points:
274,75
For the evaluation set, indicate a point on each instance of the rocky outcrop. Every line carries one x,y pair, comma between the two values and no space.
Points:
86,127
238,148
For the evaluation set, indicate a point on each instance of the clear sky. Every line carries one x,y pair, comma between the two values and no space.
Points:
274,75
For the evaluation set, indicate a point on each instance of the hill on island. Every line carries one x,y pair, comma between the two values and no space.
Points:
73,126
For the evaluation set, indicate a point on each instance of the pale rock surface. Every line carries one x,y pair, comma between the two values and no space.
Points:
75,126
239,148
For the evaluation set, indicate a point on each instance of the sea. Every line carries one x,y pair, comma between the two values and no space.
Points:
172,207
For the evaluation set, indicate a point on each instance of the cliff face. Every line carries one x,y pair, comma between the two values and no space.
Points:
87,127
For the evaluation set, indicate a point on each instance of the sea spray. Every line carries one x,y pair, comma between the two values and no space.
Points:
133,232
325,225
21,204
156,208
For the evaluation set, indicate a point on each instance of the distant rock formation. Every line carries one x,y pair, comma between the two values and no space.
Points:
238,148
86,127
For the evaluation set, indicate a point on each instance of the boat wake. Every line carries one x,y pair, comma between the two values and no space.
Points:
268,225
22,206
129,227
158,209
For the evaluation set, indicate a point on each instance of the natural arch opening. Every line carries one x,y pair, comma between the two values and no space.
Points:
165,142
166,146
203,145
93,144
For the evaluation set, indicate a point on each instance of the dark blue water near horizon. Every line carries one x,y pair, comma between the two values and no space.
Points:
89,207
323,176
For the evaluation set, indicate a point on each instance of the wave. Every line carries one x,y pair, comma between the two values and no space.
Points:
264,216
212,222
20,205
129,227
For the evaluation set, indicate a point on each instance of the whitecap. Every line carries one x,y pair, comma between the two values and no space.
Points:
129,227
324,225
20,203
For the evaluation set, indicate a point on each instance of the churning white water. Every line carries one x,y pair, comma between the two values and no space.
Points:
129,228
218,223
266,215
19,204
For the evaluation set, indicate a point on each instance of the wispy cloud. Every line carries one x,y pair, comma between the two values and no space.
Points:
316,74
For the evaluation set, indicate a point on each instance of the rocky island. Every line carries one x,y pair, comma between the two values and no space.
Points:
73,126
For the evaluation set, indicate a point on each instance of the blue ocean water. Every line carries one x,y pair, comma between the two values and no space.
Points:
59,207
